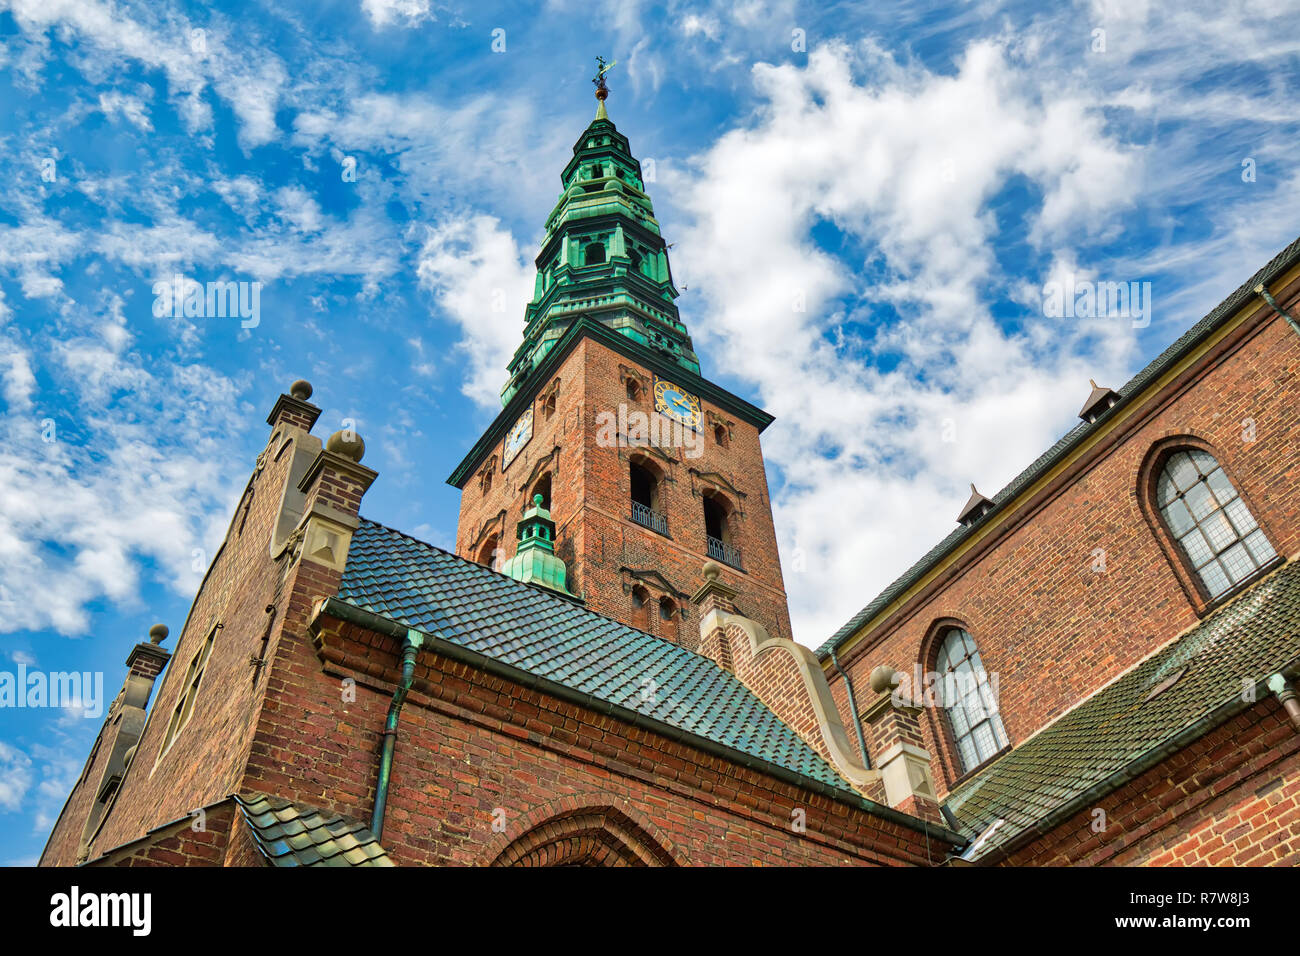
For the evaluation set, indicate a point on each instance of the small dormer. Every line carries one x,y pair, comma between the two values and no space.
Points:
1098,401
976,507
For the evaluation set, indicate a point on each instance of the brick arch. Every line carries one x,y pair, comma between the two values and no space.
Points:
1147,476
584,831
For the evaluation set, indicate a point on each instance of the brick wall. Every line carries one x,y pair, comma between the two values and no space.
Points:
206,761
1046,623
591,494
471,744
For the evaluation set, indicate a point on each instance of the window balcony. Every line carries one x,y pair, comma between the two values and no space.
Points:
719,550
652,519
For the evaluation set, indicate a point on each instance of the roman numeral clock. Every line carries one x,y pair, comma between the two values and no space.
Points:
677,403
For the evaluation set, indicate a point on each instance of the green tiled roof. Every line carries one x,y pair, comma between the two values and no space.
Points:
1229,307
439,594
291,834
1246,640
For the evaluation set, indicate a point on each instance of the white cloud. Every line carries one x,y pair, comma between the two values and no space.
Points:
15,776
479,278
122,486
876,457
408,13
130,108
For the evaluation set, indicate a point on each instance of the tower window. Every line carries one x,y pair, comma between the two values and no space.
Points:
633,390
1212,525
593,254
645,499
541,487
667,608
490,554
717,532
640,608
720,436
969,701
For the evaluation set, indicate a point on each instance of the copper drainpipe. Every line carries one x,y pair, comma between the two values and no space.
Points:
414,640
1285,692
1263,292
853,708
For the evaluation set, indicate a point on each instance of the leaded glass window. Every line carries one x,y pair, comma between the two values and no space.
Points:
970,700
1210,521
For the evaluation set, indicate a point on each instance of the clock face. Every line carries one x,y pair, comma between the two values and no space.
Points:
517,438
677,403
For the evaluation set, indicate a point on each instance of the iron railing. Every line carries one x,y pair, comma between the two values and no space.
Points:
719,550
647,516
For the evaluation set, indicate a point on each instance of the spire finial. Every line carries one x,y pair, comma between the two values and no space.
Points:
602,90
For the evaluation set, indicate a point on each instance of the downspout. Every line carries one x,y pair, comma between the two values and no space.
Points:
1264,294
414,640
1285,692
857,718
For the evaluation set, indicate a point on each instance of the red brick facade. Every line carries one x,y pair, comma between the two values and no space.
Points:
1027,590
609,555
292,704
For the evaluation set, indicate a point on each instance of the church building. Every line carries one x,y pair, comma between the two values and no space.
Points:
1095,666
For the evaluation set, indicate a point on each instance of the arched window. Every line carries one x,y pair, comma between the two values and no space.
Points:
645,498
667,608
548,407
489,554
1211,523
633,390
640,608
541,487
720,435
593,254
717,531
969,700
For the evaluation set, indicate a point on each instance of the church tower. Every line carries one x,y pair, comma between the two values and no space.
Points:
639,469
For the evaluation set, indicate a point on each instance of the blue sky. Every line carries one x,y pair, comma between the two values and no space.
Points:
865,200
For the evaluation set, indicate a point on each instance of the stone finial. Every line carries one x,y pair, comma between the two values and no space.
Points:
711,570
301,390
158,633
537,500
346,443
882,678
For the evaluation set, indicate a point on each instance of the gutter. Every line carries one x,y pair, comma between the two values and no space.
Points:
350,613
413,640
1192,732
857,718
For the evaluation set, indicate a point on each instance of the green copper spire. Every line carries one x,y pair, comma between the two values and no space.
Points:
603,255
535,560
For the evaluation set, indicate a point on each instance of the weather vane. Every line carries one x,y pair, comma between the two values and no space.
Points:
602,68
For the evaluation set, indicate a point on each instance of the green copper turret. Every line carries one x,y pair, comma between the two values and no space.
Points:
535,560
603,257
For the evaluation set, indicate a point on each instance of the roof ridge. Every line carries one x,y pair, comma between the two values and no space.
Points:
1284,259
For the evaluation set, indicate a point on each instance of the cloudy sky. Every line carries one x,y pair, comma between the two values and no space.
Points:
866,202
